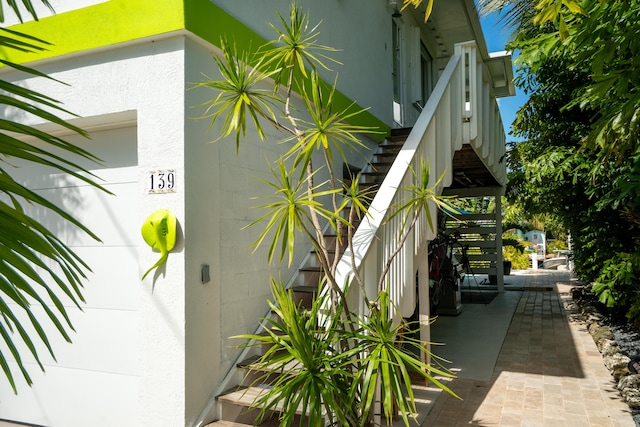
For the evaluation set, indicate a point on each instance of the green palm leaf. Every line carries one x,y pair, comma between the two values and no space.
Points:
315,376
327,130
27,4
387,359
36,268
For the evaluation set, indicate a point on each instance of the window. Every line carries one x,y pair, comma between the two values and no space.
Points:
426,73
397,74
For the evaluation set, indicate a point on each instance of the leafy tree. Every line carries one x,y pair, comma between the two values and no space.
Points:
579,160
27,248
338,365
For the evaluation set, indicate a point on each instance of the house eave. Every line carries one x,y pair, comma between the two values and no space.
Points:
458,21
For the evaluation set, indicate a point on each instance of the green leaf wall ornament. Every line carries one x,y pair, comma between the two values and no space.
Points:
159,231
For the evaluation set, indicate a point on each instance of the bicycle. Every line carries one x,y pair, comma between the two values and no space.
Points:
445,273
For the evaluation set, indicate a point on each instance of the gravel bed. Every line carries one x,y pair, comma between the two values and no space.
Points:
619,344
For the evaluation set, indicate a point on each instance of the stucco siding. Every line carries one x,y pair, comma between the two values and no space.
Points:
359,29
145,84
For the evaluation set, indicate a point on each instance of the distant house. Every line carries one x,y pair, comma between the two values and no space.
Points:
156,352
538,238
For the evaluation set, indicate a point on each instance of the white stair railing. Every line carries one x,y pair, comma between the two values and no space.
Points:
461,110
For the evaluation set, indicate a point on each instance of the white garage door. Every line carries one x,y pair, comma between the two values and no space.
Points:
95,381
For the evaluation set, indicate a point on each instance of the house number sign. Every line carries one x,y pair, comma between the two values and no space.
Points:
161,181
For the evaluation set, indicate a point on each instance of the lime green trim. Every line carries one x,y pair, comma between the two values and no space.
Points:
119,21
100,25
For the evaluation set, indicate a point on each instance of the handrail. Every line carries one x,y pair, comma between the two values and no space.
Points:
461,110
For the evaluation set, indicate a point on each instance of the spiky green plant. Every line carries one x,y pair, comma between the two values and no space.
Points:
388,357
316,376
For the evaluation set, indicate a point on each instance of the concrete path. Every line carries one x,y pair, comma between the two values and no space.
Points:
547,372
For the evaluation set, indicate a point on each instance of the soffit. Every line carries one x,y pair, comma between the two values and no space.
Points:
457,21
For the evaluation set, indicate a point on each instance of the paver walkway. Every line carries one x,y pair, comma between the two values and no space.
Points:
548,373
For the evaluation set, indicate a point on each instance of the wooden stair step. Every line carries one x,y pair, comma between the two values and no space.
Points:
400,132
246,396
250,363
224,423
375,173
242,396
310,269
389,149
394,140
305,293
310,289
386,165
385,153
246,363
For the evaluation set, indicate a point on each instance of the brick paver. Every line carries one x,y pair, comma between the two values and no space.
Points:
549,373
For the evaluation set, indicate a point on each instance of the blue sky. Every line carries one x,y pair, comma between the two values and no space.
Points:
496,37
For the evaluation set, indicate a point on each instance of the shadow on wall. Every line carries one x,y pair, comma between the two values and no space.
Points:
102,213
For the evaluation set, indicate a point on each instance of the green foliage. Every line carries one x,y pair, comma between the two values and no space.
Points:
296,47
323,376
476,205
600,39
618,286
36,268
328,129
290,212
519,260
516,244
514,250
388,355
239,95
556,245
415,3
578,162
316,375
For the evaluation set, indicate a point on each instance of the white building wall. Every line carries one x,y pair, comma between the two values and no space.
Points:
147,79
359,29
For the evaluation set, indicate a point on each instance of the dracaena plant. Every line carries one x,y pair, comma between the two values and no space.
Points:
331,368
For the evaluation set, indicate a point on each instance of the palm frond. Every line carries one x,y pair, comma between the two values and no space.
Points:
36,268
27,4
327,130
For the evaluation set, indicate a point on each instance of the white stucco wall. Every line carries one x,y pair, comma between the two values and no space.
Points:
359,29
147,79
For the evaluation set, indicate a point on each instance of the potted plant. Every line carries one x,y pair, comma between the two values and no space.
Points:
512,250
